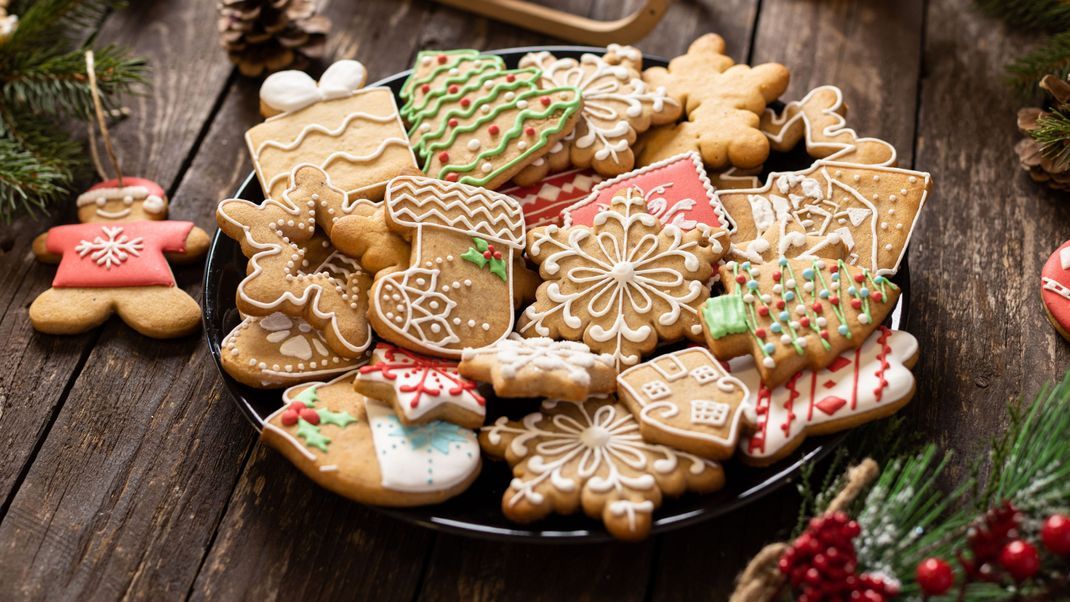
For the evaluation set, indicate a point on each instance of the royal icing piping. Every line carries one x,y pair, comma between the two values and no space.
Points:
292,90
420,383
544,354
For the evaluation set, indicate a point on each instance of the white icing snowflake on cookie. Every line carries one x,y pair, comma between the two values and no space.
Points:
591,454
111,251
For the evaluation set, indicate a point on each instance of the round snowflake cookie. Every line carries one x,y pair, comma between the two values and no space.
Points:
1055,289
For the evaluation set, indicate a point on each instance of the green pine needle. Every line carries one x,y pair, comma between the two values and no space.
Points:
1051,58
1046,15
1053,135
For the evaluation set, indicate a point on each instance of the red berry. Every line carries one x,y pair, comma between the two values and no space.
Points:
1020,558
818,308
934,576
877,296
859,278
780,304
825,334
297,405
494,130
490,248
452,123
497,254
833,269
760,333
856,303
441,59
1056,534
763,311
310,416
545,100
443,156
452,89
465,102
510,78
834,300
776,276
741,279
289,418
530,131
487,254
425,88
804,322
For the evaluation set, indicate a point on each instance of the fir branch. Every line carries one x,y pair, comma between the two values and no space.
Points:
1051,58
1046,15
56,23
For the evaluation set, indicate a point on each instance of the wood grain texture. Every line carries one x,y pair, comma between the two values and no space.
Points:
107,510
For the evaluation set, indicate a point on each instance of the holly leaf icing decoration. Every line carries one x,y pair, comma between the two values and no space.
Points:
483,254
312,435
308,397
341,419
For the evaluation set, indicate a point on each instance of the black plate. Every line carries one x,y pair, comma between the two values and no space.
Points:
477,512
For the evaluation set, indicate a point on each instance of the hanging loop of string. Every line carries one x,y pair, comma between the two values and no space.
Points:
98,107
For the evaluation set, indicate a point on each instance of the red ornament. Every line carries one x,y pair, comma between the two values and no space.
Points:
452,123
818,308
530,131
741,278
545,100
860,278
1020,558
444,156
425,88
487,254
465,102
877,296
453,89
834,300
763,311
777,276
494,129
510,78
856,304
935,576
451,177
441,59
760,333
1056,534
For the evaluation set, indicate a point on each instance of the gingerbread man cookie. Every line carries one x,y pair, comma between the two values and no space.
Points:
590,455
332,296
1055,289
617,106
688,401
541,367
357,448
867,383
723,102
795,313
421,389
623,284
457,291
116,262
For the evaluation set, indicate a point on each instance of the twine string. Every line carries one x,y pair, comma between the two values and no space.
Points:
98,107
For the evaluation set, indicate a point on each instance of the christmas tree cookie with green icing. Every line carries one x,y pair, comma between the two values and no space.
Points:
795,313
436,70
357,448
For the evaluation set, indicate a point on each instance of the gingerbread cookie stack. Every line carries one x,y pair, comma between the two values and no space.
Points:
570,264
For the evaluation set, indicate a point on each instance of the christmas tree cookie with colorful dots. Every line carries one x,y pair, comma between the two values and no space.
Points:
795,313
357,448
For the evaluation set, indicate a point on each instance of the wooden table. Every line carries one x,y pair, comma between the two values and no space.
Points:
127,471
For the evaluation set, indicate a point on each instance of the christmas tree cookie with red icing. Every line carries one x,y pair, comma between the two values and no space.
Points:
795,313
861,385
116,262
357,447
1055,289
421,389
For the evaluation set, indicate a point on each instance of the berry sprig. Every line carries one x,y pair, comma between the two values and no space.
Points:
484,254
307,417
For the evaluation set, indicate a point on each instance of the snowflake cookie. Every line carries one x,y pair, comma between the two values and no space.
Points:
421,389
541,367
357,447
591,455
795,313
617,105
687,400
623,284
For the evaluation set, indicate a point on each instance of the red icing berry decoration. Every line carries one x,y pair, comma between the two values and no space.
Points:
441,59
825,334
465,102
451,177
545,100
1056,534
780,304
776,276
818,308
297,405
877,296
742,279
763,311
804,322
934,576
834,300
453,89
289,417
530,131
452,123
860,278
1020,558
760,333
834,268
443,156
494,129
856,303
487,254
510,78
425,88
309,416
497,254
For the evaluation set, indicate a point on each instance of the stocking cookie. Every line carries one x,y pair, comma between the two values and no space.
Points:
688,401
332,296
357,448
590,455
867,383
795,313
421,389
278,351
116,262
1055,289
623,284
869,210
458,289
723,101
676,190
356,138
617,105
541,367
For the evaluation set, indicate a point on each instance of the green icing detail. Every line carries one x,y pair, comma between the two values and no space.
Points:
497,267
484,62
341,419
475,255
308,397
725,315
312,435
567,108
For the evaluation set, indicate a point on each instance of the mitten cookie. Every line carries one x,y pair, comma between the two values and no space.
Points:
868,211
1055,289
357,139
590,455
795,313
623,284
870,382
676,191
116,262
421,389
278,351
617,105
687,400
723,101
332,296
356,447
457,291
541,367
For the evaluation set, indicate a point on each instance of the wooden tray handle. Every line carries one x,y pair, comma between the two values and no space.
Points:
561,24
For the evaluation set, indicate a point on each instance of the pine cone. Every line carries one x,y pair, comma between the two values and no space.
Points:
264,36
1030,157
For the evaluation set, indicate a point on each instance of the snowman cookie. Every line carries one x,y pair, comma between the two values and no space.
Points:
357,448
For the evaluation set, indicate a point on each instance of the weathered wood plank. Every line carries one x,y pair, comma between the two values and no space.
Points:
107,506
976,258
877,68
